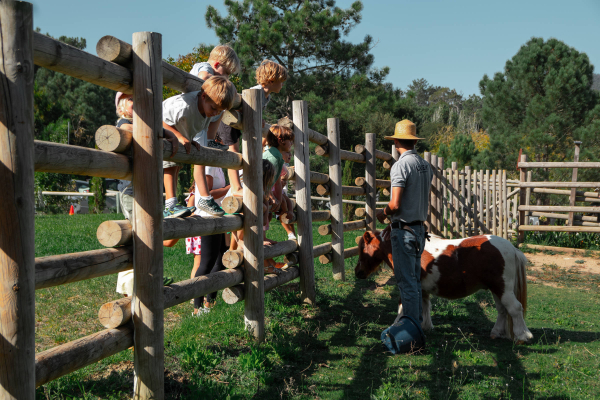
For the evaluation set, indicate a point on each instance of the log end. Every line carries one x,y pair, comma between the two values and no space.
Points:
232,204
116,313
233,294
323,190
285,220
114,233
325,259
233,258
325,230
321,150
359,148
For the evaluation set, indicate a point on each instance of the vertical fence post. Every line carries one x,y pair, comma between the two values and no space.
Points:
573,195
516,211
455,191
395,154
254,307
463,194
17,263
468,201
523,200
445,217
488,224
500,205
494,203
433,196
148,297
504,206
303,206
452,183
335,199
371,187
438,187
528,195
476,230
427,158
481,201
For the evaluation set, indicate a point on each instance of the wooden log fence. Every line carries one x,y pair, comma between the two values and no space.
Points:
574,222
461,203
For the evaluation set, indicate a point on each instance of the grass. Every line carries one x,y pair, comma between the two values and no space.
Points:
578,240
332,350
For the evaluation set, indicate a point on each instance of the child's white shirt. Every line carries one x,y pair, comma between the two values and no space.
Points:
181,112
203,66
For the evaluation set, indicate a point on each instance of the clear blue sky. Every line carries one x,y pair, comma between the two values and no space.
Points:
448,42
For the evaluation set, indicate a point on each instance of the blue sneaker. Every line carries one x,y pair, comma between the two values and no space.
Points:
177,211
215,145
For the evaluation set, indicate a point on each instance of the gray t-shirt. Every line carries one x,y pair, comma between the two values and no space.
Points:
413,174
265,99
203,66
182,112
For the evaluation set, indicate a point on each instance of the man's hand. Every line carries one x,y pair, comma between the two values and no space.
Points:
381,217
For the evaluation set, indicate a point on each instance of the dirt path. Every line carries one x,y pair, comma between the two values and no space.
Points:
565,261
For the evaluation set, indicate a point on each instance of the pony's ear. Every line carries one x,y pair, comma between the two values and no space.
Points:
369,236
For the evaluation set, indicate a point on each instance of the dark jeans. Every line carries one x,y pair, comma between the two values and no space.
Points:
211,260
406,252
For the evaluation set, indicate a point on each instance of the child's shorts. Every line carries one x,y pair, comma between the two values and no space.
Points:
192,245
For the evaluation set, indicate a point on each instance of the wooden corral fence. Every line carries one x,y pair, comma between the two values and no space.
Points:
139,69
469,202
575,221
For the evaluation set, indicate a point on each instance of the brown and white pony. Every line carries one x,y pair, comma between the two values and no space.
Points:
457,268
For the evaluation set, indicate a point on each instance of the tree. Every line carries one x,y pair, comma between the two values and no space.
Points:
541,102
303,36
463,149
63,103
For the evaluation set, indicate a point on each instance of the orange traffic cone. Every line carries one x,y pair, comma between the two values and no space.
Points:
72,210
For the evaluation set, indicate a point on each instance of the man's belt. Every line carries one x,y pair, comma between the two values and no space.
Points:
405,225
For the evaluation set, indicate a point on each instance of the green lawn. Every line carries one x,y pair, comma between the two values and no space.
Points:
332,350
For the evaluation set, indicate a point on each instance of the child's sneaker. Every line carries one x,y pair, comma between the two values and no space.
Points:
177,211
209,206
201,311
209,304
214,145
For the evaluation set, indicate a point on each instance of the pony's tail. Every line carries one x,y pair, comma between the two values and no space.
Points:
520,289
521,280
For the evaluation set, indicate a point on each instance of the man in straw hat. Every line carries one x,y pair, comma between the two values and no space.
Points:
411,182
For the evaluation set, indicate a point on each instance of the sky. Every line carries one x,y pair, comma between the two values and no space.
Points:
450,43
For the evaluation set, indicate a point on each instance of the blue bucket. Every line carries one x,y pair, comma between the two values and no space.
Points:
405,336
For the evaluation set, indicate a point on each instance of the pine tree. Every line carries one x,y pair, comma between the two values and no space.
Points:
541,102
303,36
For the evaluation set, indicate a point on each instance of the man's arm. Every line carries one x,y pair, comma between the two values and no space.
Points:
393,205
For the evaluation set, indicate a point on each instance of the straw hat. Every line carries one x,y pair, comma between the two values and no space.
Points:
405,130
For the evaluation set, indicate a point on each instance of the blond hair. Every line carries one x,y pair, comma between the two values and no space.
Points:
220,90
122,107
270,72
226,56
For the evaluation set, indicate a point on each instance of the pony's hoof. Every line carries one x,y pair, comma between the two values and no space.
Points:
494,337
